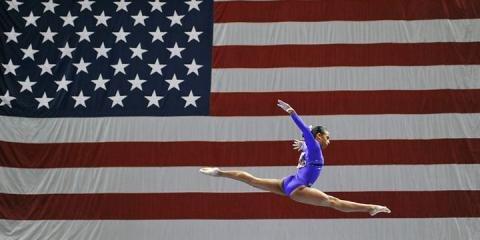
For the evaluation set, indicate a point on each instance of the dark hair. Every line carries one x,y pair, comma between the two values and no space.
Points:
318,129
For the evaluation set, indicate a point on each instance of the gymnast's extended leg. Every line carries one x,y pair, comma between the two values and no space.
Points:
271,185
316,197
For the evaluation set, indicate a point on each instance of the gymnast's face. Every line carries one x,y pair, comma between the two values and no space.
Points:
323,139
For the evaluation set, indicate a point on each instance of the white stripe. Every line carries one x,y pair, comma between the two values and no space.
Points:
281,229
188,179
347,32
272,128
346,78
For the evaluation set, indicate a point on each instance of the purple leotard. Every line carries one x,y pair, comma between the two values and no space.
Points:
308,174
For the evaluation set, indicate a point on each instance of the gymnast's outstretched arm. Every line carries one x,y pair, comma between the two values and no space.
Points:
307,135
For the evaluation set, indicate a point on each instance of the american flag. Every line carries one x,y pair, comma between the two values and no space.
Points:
109,108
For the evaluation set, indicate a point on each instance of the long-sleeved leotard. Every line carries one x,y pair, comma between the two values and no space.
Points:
308,174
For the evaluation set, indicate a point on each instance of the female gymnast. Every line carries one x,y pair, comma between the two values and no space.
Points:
298,186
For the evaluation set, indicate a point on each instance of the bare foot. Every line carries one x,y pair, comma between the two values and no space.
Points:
210,171
378,209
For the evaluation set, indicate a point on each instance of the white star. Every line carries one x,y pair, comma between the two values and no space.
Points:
100,83
68,20
6,99
175,51
63,84
84,35
46,67
121,35
29,52
80,99
10,68
157,5
156,67
176,19
102,19
122,5
137,51
136,83
66,51
119,67
31,19
12,35
43,101
193,35
193,4
153,100
13,4
193,67
117,99
50,6
27,85
48,35
102,51
191,99
82,66
157,35
173,83
86,4
139,19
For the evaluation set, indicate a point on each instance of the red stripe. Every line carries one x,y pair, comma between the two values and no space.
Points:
385,54
275,153
352,10
230,206
347,102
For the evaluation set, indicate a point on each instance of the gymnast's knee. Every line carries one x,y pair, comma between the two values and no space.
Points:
247,177
330,201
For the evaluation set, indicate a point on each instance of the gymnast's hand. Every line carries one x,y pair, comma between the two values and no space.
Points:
298,145
283,105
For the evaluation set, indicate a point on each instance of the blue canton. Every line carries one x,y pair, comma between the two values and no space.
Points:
63,58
